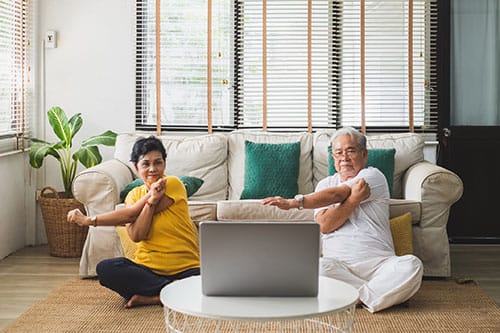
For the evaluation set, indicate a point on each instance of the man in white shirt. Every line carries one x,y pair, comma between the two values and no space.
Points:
352,208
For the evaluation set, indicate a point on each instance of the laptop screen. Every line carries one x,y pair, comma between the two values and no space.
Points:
259,258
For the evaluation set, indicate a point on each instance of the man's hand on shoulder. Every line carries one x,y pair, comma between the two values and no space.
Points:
360,191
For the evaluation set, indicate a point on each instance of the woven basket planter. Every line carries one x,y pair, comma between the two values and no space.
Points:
65,239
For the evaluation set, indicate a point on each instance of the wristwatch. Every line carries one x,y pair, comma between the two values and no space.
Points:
300,200
93,221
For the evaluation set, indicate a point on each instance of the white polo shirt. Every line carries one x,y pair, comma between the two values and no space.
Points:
366,233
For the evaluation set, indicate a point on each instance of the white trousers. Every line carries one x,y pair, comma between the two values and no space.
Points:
381,282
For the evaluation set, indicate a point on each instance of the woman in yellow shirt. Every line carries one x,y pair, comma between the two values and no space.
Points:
157,219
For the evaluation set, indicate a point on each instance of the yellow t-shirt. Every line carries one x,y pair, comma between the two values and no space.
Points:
172,244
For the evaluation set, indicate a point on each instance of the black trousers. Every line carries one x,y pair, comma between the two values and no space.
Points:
128,278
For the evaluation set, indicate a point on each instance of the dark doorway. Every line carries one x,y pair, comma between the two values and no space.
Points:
469,137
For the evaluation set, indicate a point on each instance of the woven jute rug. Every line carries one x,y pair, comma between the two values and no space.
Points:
85,306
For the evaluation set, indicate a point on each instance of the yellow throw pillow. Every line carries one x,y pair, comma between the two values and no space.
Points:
402,234
127,244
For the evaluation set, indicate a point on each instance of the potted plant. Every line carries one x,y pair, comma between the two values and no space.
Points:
65,239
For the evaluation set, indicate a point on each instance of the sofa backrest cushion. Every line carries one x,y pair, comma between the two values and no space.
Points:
202,156
236,158
262,176
409,150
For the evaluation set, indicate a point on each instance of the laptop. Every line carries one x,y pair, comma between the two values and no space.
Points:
259,258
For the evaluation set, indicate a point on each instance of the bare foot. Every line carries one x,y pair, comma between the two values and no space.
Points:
138,300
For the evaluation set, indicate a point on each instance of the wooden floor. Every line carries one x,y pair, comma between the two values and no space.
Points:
30,274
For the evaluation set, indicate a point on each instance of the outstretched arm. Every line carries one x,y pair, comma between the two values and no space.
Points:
117,217
318,199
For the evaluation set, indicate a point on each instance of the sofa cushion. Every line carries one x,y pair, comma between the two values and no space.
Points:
253,210
409,150
402,234
202,211
271,169
236,158
203,156
382,159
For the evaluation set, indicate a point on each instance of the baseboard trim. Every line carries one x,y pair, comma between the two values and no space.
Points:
474,240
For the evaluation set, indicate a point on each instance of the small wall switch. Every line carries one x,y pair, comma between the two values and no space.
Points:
51,39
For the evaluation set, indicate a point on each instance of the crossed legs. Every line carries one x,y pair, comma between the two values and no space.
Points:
381,282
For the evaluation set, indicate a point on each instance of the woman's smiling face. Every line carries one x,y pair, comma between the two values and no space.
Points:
150,167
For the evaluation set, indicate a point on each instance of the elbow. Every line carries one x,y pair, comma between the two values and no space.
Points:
135,239
323,229
135,236
323,226
130,216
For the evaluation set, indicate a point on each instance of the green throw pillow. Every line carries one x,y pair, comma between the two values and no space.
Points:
130,187
192,184
382,159
271,169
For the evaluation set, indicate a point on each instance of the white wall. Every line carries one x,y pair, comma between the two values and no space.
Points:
12,212
92,69
92,72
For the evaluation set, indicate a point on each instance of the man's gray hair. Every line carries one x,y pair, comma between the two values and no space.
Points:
353,133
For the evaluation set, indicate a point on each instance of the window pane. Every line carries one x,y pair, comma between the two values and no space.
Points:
184,62
386,64
286,61
335,72
14,73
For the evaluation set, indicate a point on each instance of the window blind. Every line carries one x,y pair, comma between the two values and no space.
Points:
387,75
15,101
291,64
183,63
290,71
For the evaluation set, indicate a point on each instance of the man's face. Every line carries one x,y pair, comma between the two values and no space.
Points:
348,156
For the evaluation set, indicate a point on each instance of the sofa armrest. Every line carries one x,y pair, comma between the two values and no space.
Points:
98,188
436,188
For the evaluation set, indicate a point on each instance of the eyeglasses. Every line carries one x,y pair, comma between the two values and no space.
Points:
349,152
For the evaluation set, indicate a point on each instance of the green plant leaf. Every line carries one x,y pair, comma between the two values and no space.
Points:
38,152
74,124
59,145
107,138
59,122
65,130
88,156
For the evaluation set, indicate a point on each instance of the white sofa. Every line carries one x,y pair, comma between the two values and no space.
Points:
420,187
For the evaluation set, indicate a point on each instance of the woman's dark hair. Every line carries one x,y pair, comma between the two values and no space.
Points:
145,145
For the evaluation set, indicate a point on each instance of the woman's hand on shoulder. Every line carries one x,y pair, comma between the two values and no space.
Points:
157,191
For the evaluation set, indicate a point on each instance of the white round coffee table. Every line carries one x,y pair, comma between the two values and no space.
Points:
187,310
